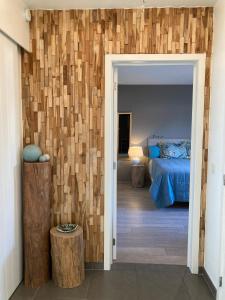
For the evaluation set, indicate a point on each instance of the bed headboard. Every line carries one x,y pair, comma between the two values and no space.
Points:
153,141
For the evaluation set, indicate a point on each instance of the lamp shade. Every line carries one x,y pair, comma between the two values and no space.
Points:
135,152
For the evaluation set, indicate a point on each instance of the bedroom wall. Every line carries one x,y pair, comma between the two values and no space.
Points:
163,110
63,96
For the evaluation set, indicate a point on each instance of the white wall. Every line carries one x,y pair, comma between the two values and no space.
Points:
10,168
13,23
216,150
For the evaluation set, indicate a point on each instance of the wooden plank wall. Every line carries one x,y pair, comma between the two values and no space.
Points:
63,96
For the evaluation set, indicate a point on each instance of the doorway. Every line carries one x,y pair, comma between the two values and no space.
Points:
153,193
124,132
112,62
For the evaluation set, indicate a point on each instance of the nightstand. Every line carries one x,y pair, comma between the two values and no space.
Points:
138,176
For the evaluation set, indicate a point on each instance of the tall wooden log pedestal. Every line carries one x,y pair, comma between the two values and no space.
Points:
36,220
67,258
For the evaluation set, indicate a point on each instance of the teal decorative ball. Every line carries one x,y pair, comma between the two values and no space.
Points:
31,153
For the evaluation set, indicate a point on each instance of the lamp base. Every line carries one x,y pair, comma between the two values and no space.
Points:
136,161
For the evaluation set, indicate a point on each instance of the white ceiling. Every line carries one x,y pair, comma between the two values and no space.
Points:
155,75
69,4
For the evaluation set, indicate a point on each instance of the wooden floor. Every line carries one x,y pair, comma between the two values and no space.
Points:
146,234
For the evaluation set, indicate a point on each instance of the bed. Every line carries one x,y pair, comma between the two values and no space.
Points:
170,179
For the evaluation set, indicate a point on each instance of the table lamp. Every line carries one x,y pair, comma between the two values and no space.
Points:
135,153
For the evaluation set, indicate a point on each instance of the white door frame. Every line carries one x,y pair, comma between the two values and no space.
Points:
115,154
198,62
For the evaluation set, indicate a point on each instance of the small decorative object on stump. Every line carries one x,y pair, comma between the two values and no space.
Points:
36,219
67,252
44,157
31,153
66,228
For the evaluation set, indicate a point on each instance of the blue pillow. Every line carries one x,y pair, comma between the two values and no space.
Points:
153,151
187,145
174,151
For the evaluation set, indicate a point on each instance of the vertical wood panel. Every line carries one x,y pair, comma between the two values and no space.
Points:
63,96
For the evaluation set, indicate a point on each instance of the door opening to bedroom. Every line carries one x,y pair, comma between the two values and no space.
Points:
153,153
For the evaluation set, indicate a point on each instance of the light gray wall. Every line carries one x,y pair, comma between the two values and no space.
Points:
162,110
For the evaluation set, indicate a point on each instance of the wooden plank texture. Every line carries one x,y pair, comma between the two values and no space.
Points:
63,96
36,220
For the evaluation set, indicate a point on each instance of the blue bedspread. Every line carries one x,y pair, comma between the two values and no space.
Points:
170,181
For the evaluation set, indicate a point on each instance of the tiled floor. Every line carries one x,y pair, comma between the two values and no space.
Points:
127,282
146,234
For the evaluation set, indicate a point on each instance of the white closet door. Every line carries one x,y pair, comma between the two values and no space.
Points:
10,168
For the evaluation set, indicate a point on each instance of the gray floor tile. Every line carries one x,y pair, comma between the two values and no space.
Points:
23,293
50,292
127,282
152,268
160,284
182,294
124,266
197,287
113,285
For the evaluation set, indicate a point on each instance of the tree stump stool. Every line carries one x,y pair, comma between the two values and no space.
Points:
67,258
